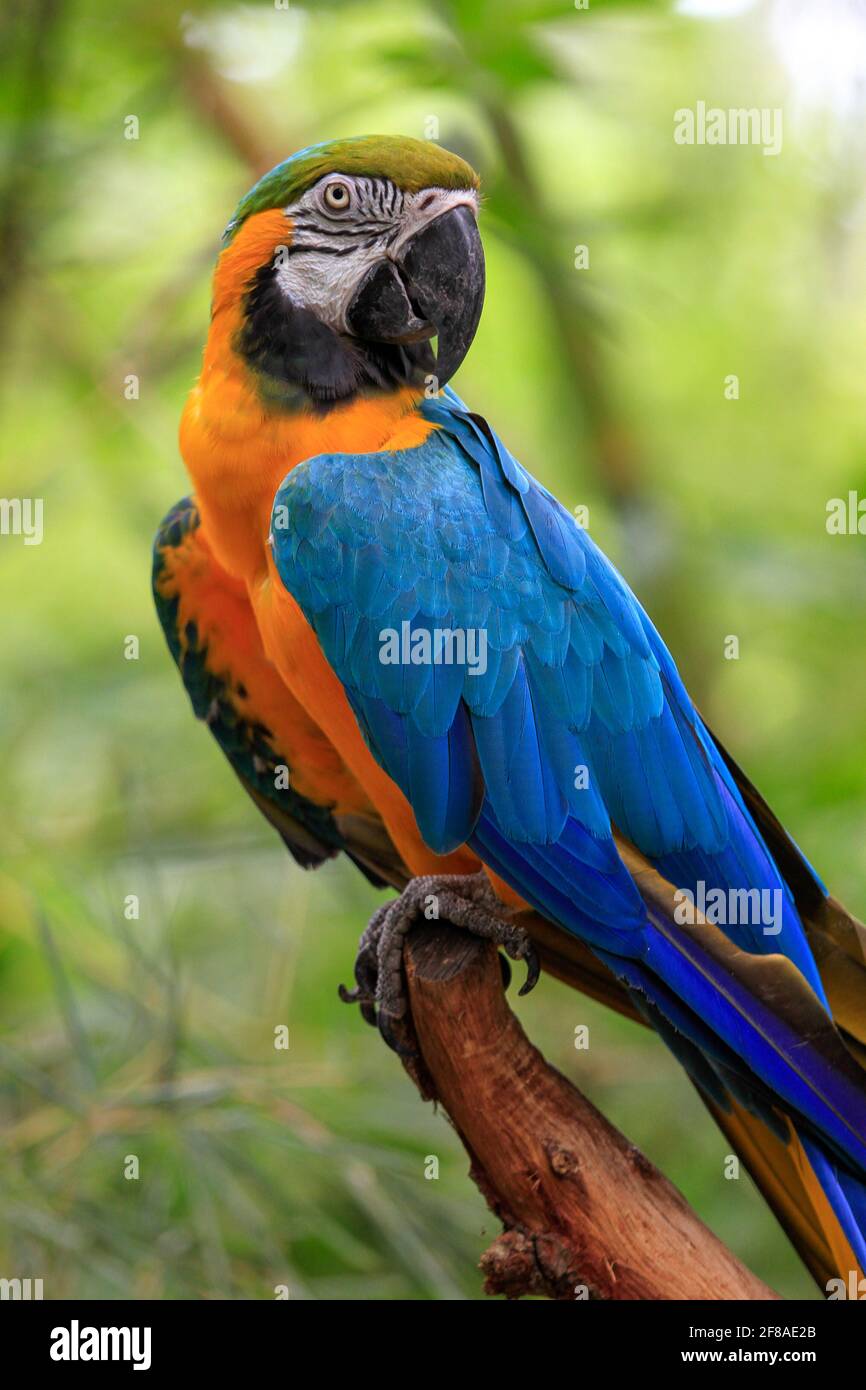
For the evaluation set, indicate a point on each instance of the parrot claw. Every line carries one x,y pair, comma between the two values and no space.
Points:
391,1037
467,901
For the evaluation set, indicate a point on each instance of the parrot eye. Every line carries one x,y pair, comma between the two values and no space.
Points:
337,196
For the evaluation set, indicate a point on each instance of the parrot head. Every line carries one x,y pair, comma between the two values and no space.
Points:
342,264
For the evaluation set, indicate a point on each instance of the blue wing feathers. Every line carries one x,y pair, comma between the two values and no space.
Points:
567,675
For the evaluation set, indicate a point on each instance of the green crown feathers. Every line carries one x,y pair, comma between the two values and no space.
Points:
408,163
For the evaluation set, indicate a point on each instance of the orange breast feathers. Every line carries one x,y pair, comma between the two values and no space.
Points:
238,448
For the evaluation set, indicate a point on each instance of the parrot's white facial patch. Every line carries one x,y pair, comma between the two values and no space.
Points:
342,227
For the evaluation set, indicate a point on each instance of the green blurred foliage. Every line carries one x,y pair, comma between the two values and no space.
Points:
155,1037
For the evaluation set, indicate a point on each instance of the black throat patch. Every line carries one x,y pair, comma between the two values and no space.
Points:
299,360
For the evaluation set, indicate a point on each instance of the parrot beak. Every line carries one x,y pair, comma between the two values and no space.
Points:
433,287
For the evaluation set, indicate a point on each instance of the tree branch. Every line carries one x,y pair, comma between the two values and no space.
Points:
584,1212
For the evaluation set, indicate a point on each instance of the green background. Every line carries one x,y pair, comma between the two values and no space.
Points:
155,1037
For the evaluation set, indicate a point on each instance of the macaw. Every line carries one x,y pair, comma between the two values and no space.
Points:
412,654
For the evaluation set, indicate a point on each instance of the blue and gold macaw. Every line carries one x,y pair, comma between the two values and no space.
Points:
410,652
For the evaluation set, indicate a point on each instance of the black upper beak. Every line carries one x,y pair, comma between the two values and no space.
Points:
434,287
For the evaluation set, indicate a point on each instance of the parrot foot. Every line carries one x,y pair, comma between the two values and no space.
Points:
465,900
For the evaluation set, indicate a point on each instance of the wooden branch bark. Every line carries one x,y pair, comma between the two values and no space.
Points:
584,1212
